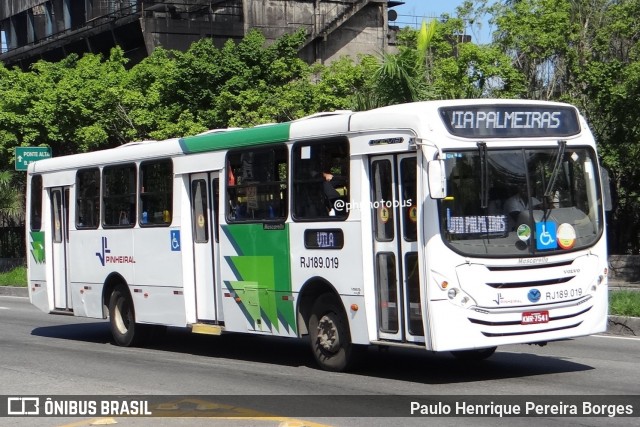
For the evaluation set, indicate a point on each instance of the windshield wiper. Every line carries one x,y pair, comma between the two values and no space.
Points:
562,145
548,192
484,175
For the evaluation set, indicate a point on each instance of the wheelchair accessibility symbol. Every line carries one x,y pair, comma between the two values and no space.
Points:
175,240
546,235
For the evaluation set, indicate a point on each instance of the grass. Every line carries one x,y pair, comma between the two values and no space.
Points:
15,277
624,303
621,302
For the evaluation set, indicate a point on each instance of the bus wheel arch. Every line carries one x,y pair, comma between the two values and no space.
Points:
327,325
110,283
117,297
309,293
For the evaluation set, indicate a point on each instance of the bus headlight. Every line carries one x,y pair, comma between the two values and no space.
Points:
460,298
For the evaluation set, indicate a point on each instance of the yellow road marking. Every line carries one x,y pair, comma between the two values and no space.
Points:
185,408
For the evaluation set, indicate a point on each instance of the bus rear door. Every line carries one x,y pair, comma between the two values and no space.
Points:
394,212
60,239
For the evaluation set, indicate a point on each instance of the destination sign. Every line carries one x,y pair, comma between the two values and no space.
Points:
324,239
472,226
510,121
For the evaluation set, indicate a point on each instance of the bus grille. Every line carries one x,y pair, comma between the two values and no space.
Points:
507,285
503,325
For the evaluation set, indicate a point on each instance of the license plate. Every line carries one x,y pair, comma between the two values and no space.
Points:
534,317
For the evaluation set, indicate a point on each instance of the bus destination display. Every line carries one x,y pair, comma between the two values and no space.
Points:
510,121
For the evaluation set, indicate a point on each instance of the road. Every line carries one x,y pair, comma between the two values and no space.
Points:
49,355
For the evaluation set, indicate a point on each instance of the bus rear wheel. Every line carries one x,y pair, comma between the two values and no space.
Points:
122,317
329,334
476,354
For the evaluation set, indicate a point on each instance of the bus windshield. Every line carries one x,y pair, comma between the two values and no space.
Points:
521,202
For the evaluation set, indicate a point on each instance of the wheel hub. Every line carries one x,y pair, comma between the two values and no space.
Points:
328,337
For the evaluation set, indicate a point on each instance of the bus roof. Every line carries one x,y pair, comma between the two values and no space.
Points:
401,116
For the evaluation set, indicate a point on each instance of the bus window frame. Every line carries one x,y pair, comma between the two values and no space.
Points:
232,175
35,215
81,226
131,214
160,194
295,203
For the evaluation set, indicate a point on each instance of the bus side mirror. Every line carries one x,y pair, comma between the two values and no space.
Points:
606,190
437,179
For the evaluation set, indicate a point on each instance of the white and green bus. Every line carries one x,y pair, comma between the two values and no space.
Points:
448,225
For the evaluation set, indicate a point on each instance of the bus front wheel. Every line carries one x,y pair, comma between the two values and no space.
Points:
329,334
122,317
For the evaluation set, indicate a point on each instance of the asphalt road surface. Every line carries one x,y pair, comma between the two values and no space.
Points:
48,356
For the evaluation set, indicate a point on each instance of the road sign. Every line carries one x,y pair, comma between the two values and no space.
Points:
26,155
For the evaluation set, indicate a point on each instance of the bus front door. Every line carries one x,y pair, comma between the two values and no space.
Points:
204,217
394,216
60,240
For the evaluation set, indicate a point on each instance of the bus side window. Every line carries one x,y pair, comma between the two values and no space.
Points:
321,179
156,193
257,184
36,203
119,195
88,198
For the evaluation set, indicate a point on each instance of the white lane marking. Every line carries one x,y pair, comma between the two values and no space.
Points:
617,337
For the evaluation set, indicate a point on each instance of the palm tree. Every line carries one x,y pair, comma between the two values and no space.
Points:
401,77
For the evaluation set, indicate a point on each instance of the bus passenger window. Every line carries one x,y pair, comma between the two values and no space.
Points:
257,184
156,193
88,198
321,180
35,218
119,195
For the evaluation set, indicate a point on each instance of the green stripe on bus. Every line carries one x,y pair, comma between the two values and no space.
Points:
267,134
262,271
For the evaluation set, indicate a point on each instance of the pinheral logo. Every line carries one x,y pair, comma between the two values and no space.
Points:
105,257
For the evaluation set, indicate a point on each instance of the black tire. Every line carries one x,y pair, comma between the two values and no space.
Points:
476,354
122,317
329,335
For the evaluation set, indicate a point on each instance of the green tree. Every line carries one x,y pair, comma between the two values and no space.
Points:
586,53
11,198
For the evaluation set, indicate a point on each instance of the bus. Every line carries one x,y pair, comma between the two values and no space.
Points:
453,226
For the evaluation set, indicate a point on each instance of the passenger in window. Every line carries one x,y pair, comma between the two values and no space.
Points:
520,201
329,185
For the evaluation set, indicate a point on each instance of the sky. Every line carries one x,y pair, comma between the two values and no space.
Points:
412,12
426,8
